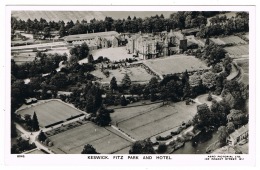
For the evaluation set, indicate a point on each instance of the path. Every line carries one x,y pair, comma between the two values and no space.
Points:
126,135
32,138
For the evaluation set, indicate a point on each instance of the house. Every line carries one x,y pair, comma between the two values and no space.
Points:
238,135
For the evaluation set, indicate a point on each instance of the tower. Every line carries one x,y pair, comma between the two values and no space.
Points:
165,47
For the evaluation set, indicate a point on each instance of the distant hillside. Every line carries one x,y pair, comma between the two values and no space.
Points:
87,15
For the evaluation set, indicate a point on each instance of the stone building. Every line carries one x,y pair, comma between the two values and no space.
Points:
238,135
148,46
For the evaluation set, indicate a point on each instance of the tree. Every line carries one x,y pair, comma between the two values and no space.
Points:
162,148
142,147
113,84
13,130
62,31
90,104
42,137
28,120
123,101
90,58
203,118
103,117
126,81
47,32
230,127
223,134
89,149
209,80
35,123
209,98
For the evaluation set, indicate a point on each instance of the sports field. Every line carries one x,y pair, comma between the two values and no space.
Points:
238,51
154,120
136,74
104,140
228,40
50,112
175,64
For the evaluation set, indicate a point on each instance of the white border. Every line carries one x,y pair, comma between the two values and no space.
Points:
177,159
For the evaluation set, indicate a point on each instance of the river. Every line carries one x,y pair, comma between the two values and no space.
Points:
199,144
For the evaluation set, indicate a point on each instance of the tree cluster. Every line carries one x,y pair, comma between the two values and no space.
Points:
22,146
142,147
224,26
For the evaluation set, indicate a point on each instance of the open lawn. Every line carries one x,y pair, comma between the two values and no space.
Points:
21,58
237,51
113,54
244,65
141,124
136,74
228,40
175,64
50,111
103,140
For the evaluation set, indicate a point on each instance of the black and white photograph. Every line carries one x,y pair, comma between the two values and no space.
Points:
130,82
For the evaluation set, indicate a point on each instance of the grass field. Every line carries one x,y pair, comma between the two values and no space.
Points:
175,64
103,140
238,51
244,65
228,40
136,74
49,112
21,58
144,122
113,54
85,14
122,114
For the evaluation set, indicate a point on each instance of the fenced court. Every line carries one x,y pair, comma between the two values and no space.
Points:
50,112
237,51
103,140
155,120
175,64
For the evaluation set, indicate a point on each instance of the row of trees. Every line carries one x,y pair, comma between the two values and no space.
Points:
180,20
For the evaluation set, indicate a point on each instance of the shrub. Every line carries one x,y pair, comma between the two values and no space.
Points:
209,97
162,148
50,144
173,133
180,139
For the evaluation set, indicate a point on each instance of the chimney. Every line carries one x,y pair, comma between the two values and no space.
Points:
171,31
140,32
93,30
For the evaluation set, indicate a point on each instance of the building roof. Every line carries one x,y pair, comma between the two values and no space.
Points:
90,36
239,131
